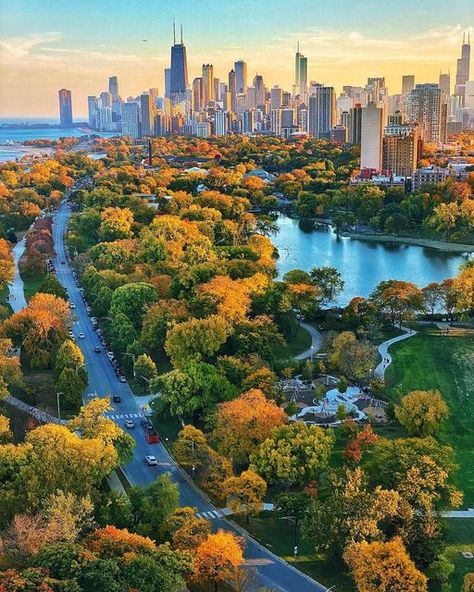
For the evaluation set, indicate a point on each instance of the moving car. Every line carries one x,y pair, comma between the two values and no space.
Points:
151,461
129,424
72,305
122,379
81,335
117,399
97,349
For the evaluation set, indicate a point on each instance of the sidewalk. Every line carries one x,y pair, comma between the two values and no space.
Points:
383,348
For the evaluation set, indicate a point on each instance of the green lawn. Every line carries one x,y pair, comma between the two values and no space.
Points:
459,538
278,536
296,345
432,361
32,283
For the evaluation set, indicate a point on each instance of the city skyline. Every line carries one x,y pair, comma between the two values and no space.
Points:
57,52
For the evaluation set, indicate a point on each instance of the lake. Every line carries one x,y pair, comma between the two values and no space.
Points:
362,264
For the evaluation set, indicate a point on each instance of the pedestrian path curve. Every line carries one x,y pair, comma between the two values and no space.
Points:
383,348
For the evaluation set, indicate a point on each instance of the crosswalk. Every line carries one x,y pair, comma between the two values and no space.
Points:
212,514
123,415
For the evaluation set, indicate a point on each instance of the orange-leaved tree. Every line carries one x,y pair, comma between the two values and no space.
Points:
218,558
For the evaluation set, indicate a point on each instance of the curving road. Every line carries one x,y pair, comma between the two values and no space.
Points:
16,288
315,342
273,572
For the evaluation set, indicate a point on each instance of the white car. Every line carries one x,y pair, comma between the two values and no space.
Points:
151,461
81,335
72,305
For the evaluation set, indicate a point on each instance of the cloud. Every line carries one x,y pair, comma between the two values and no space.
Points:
110,56
20,47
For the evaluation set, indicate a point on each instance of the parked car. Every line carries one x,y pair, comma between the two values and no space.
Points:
122,378
117,399
72,305
151,461
82,335
97,349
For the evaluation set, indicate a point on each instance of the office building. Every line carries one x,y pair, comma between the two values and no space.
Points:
408,83
114,88
203,129
240,68
232,88
321,111
426,105
247,120
130,120
371,138
105,99
259,91
469,95
179,70
167,83
65,107
147,108
301,74
196,96
400,149
338,134
463,68
92,110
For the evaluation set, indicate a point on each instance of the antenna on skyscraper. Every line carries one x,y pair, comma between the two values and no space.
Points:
464,38
181,34
297,47
174,32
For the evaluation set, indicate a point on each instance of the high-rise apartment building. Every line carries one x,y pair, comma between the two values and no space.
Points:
426,105
114,88
276,97
196,95
321,111
65,107
240,68
445,83
221,123
371,138
147,109
179,69
248,122
233,90
130,120
400,149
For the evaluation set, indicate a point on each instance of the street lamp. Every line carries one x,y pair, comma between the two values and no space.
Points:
57,403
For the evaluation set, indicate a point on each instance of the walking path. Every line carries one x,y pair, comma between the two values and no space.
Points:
17,298
379,372
39,415
315,342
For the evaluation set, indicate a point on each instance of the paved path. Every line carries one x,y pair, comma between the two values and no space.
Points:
315,342
379,372
16,289
39,415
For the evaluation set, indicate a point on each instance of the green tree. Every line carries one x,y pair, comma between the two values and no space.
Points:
51,285
132,300
329,281
153,504
145,368
245,493
71,385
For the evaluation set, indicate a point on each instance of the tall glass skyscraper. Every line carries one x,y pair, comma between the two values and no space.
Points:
179,69
65,107
240,68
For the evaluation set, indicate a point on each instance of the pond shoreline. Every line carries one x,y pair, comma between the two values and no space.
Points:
408,240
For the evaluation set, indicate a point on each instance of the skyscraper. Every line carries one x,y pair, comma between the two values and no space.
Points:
400,149
321,111
221,123
179,69
259,89
65,107
148,114
130,120
207,84
408,83
276,97
371,138
355,119
197,94
445,83
301,72
92,109
167,83
233,90
463,67
240,68
114,88
426,105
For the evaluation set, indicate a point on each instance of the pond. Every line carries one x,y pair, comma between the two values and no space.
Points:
362,264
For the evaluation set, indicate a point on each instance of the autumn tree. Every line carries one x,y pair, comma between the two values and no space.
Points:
398,299
431,297
39,328
116,223
185,529
245,493
293,454
218,558
350,513
145,368
422,412
329,281
7,266
384,567
10,368
245,422
356,360
463,287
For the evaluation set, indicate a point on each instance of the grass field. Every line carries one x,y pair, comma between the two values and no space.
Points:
298,344
459,538
432,361
32,283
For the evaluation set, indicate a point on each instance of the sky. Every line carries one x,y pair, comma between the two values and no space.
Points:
46,45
